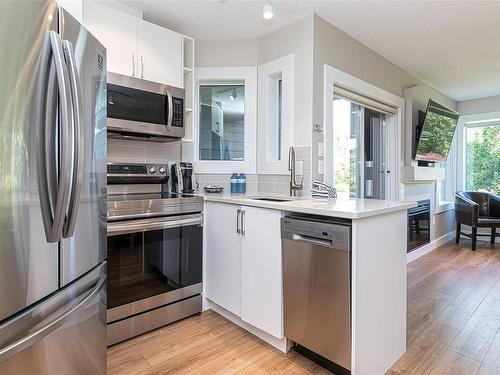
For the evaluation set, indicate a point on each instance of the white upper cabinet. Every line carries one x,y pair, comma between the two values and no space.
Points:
160,54
135,47
117,31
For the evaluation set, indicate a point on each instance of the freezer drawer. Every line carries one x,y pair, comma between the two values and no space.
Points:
65,334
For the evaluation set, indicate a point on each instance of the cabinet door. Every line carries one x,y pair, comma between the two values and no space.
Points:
262,291
223,256
160,54
117,31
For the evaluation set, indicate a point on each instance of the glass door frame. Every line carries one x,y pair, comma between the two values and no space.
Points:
394,125
361,157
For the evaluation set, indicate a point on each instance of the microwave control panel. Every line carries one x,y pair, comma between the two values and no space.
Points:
178,112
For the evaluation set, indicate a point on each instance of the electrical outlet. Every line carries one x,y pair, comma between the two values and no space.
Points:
318,128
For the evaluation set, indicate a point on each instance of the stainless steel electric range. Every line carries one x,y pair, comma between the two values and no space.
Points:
155,241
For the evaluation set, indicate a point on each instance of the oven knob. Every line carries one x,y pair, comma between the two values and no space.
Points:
162,170
152,170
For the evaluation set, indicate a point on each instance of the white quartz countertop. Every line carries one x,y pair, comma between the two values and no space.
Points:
348,208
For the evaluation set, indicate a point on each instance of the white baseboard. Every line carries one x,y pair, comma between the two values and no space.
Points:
421,251
282,344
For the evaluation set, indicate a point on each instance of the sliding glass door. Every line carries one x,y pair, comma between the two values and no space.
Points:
359,150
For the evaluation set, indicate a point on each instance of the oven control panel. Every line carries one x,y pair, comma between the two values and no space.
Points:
139,170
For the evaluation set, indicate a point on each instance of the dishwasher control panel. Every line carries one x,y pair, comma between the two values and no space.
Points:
338,235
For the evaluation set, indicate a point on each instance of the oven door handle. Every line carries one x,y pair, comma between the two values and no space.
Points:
138,226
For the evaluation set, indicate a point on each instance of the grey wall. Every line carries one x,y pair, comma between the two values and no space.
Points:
233,52
315,43
484,105
334,47
296,38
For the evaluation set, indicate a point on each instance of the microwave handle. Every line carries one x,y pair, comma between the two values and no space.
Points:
170,110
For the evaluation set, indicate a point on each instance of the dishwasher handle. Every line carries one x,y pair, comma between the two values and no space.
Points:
312,240
317,233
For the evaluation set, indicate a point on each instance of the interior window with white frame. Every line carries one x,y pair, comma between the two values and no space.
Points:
225,132
222,122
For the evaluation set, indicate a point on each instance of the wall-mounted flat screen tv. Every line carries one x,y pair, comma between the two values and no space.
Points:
437,133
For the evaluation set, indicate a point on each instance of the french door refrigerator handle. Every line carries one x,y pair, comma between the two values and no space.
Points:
52,324
45,162
65,134
53,188
78,145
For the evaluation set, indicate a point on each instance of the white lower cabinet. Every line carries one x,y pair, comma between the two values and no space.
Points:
223,256
243,270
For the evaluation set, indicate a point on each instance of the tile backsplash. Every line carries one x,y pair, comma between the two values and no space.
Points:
126,151
267,183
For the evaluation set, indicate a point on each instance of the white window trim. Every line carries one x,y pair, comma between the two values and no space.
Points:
394,188
229,75
284,66
441,205
450,181
461,145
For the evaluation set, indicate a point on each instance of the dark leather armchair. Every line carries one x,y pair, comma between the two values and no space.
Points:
477,210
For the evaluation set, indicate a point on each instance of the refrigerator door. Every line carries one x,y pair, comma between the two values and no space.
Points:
84,245
28,262
66,334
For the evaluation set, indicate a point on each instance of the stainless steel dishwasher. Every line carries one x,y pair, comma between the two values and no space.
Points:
317,288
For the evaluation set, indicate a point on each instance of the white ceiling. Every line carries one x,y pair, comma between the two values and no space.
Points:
454,46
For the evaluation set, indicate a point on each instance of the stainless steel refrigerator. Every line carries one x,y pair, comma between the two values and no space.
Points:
52,192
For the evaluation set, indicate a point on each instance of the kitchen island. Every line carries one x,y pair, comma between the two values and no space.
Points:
243,276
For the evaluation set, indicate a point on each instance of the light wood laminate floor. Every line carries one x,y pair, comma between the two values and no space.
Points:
453,328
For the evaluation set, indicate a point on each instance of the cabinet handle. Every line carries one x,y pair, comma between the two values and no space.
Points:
133,64
142,66
242,231
238,214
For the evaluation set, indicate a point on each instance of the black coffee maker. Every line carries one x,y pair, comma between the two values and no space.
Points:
182,178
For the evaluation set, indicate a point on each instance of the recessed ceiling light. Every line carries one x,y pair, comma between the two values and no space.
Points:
267,9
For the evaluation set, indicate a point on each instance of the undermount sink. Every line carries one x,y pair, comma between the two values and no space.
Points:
272,199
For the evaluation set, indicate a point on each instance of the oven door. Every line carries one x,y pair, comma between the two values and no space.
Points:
142,108
152,263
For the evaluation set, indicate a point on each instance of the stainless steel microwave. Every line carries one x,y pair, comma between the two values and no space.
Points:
143,109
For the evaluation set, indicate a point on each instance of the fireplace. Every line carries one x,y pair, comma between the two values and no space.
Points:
419,225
